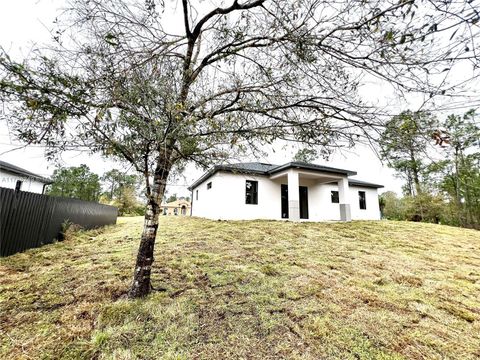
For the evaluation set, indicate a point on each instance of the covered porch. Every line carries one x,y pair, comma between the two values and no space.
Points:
299,189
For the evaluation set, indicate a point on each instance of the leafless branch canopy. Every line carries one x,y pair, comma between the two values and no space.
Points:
134,78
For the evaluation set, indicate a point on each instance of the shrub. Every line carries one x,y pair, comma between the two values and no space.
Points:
69,229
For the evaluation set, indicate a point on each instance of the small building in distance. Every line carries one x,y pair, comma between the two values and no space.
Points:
179,207
14,177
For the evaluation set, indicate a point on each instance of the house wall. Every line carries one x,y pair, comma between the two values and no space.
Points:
9,180
226,199
322,208
320,202
372,212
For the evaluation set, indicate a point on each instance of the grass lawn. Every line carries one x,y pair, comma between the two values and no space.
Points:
251,290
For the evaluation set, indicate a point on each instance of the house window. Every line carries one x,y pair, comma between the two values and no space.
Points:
362,200
335,198
196,195
251,192
209,185
18,185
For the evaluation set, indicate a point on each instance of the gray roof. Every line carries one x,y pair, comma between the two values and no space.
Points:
313,167
259,168
22,172
354,182
251,167
256,168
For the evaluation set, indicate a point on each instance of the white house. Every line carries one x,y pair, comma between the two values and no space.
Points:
296,191
13,177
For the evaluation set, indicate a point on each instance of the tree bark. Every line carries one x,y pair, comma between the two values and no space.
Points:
415,172
409,183
141,285
457,188
416,179
111,191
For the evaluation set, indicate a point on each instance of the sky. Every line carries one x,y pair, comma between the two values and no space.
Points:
25,22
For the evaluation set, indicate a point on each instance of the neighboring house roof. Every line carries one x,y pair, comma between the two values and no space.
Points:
258,168
22,172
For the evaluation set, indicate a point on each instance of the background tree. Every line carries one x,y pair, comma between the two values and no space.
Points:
450,184
121,191
171,198
127,203
461,168
404,144
115,180
235,77
424,207
307,155
75,182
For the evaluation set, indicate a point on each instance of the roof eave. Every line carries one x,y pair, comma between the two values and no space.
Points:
25,174
312,168
225,168
365,184
297,165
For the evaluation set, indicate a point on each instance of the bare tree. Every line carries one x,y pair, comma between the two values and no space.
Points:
121,82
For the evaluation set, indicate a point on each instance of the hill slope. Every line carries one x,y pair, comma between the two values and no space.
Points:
256,289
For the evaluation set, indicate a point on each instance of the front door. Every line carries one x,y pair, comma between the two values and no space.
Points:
303,192
284,192
303,202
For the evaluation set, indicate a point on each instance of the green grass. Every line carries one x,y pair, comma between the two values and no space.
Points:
252,290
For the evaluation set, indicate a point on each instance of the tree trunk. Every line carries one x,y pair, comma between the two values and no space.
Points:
469,219
416,180
141,285
458,199
409,183
415,173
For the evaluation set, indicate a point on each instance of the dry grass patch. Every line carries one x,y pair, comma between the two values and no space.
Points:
249,289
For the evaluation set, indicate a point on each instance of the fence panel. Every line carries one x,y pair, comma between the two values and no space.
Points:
29,220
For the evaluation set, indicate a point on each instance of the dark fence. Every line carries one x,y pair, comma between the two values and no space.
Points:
29,220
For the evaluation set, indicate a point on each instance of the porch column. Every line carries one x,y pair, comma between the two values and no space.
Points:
293,196
344,198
